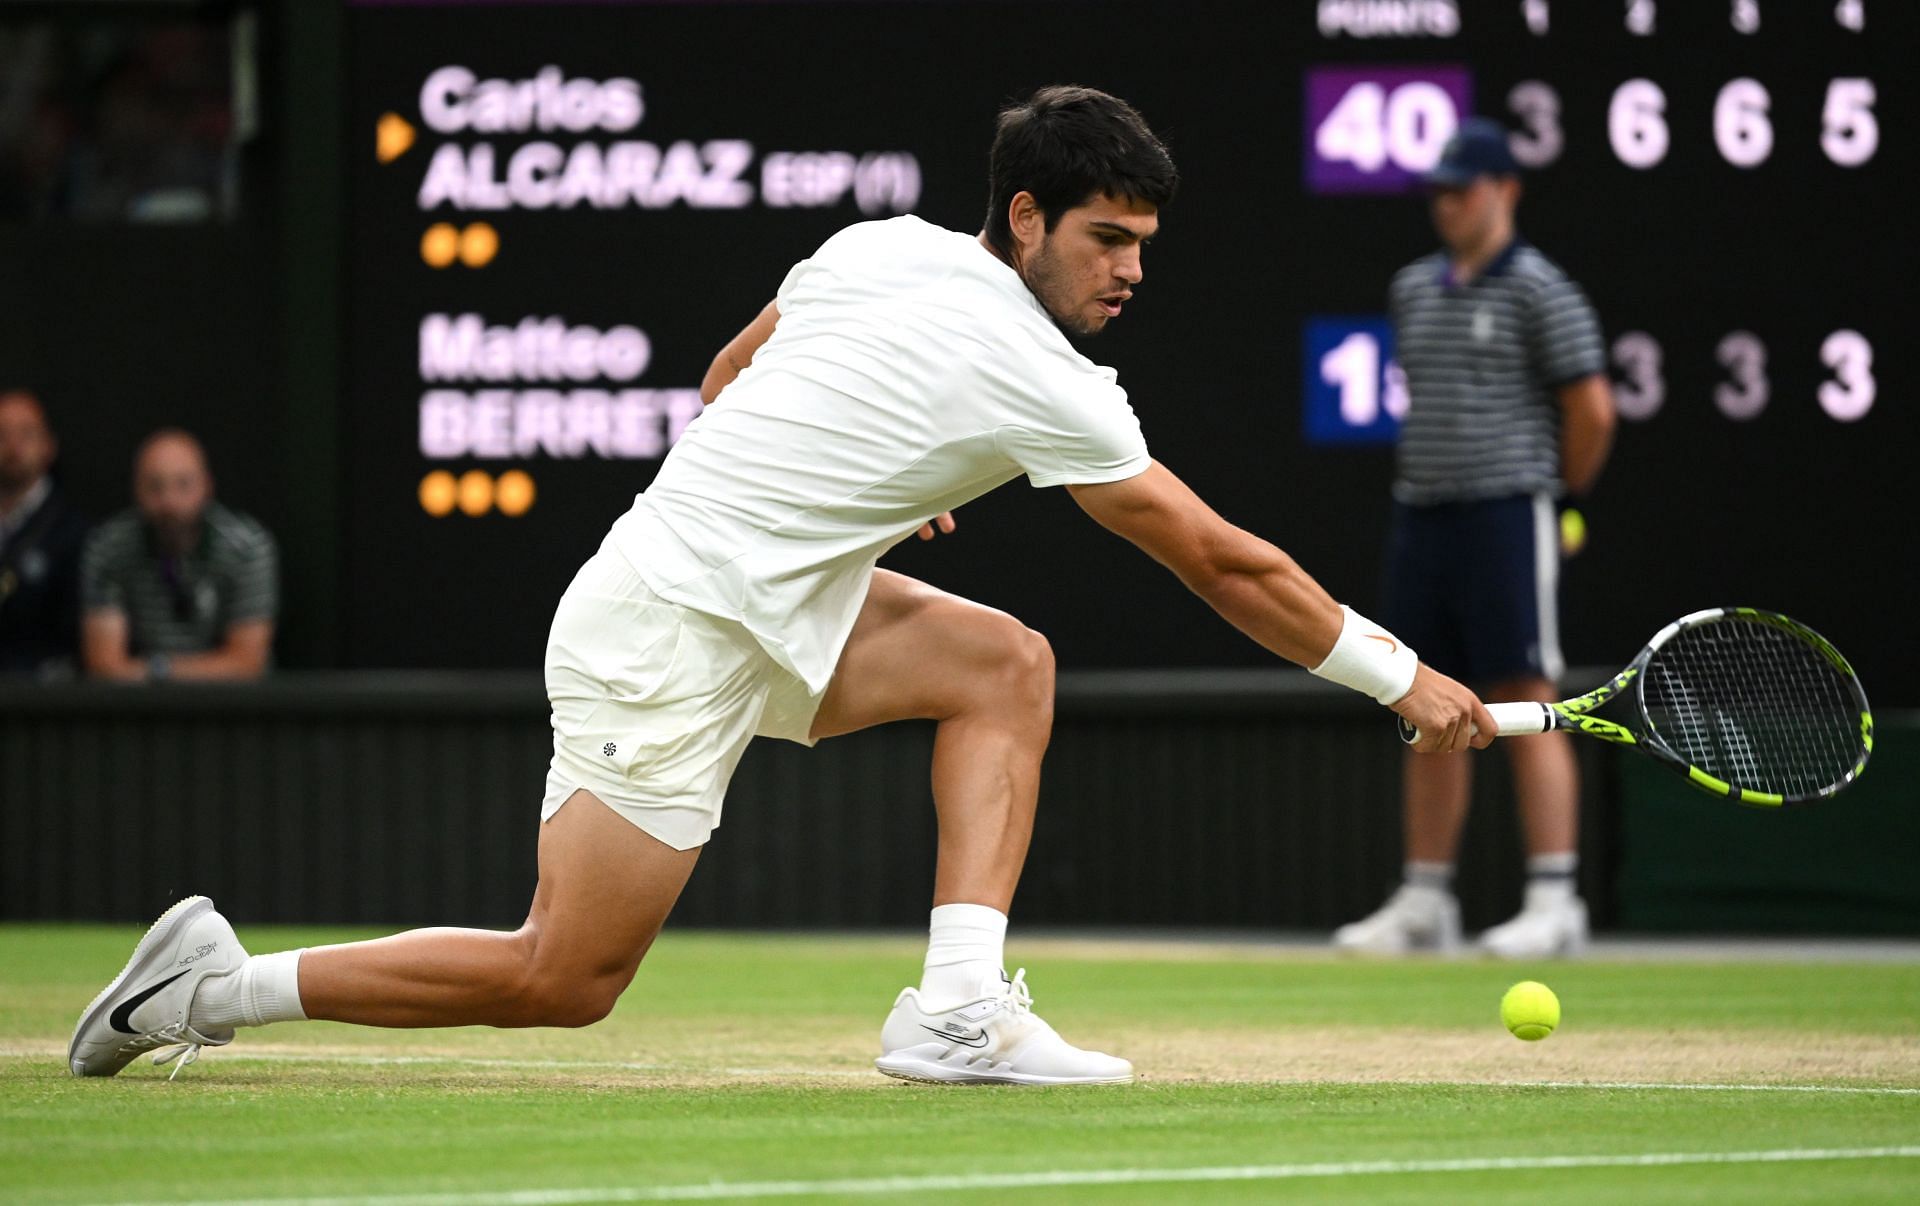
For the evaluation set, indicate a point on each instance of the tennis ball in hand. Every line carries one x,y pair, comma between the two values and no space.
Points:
1530,1010
1573,532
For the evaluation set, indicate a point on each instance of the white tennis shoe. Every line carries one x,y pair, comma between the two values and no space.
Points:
1552,922
146,1005
995,1040
1414,918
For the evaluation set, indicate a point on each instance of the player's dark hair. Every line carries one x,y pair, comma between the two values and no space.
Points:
1067,145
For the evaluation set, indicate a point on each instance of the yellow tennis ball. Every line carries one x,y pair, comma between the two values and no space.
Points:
1530,1010
1573,531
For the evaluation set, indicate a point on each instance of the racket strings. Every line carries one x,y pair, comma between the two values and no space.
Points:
1755,705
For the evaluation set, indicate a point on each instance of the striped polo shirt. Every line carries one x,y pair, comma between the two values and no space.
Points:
183,604
1483,361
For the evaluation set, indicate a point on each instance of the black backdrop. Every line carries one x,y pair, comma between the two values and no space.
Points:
1788,509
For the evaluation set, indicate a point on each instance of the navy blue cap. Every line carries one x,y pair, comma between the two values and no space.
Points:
1478,148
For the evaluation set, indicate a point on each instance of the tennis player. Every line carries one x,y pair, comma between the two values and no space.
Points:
901,371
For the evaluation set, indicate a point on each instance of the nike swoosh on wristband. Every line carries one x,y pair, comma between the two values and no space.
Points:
1392,645
122,1017
964,1042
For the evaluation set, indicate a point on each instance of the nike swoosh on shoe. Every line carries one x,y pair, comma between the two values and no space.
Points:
122,1016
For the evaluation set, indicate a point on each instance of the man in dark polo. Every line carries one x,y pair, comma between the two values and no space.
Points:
178,586
1509,412
40,539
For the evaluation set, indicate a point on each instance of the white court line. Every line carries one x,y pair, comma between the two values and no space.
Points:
1062,1178
1655,1086
1679,1088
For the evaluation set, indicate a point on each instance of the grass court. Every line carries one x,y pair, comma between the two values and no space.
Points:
738,1068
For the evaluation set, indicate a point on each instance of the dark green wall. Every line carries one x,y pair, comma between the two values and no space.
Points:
1693,863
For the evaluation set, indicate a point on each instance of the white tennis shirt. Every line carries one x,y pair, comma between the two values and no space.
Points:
911,371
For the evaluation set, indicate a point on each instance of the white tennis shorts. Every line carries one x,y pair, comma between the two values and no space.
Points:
654,703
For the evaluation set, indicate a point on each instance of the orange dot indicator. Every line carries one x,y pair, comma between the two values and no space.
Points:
439,245
513,493
479,243
476,493
437,492
392,137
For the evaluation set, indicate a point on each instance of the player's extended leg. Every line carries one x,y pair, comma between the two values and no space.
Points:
920,653
1546,783
605,889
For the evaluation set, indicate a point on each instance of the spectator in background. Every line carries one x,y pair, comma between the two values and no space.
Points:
178,586
40,539
1509,410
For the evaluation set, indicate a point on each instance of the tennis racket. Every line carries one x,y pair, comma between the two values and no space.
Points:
1745,704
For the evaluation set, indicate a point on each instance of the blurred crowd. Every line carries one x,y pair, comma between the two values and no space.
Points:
117,120
176,586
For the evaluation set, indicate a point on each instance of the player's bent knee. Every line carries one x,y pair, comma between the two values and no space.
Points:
1036,660
1029,669
569,1002
585,1007
554,988
999,667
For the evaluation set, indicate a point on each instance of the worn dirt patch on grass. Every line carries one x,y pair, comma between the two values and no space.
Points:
1614,1056
829,1056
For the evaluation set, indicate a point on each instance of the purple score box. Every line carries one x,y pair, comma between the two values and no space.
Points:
1389,131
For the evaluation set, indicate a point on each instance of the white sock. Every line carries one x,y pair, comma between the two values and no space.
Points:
1550,877
266,988
964,957
1434,877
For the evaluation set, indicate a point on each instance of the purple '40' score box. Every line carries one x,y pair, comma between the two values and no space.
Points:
1376,129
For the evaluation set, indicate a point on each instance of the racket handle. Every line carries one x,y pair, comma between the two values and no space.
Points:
1519,719
1514,719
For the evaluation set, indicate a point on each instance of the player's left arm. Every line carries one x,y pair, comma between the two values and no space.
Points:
1587,419
738,354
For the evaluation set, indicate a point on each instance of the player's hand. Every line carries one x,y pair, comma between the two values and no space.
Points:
1448,716
944,521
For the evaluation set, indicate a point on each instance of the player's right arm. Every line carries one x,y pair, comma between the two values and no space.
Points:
738,354
1264,593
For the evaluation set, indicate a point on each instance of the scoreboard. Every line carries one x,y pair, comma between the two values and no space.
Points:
560,212
1793,149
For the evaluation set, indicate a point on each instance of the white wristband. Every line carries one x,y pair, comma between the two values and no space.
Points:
1369,659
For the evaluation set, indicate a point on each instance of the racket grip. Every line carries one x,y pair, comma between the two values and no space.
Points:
1514,719
1519,719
